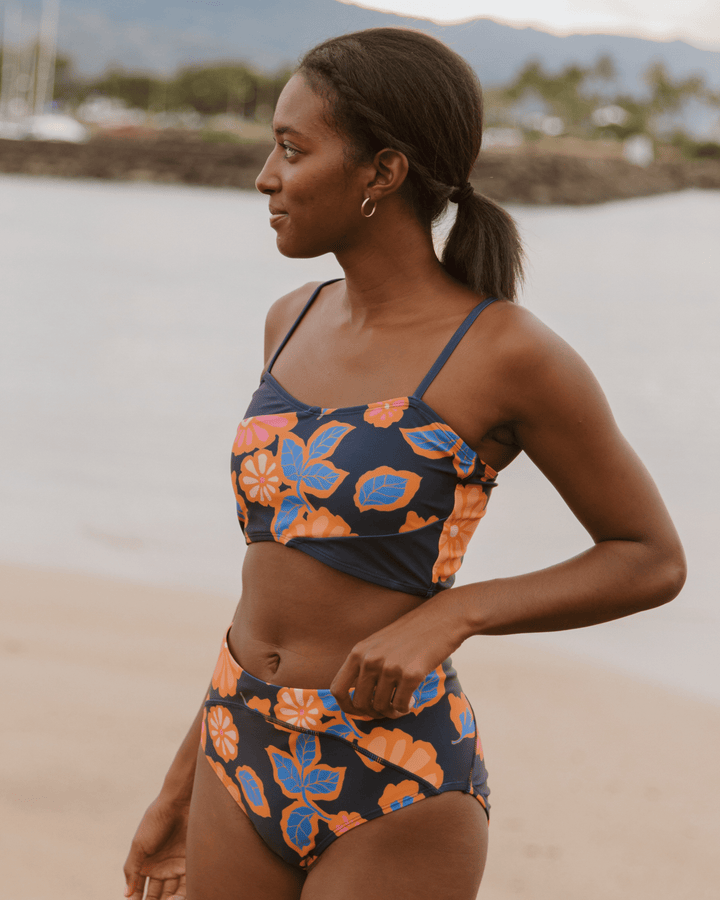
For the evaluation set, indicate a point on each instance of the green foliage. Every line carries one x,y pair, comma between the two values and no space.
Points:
563,93
667,95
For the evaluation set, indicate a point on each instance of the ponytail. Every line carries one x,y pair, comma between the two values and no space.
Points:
483,249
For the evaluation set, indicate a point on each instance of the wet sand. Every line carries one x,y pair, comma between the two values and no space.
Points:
603,786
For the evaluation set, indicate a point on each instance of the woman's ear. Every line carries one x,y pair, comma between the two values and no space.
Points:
391,168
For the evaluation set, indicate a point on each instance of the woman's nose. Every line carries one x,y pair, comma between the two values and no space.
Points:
267,181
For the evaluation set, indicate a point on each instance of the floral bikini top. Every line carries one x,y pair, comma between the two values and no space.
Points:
385,491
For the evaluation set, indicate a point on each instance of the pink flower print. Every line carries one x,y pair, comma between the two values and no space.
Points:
260,478
257,432
383,413
223,732
299,707
344,821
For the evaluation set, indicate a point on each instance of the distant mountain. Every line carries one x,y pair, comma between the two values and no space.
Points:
160,35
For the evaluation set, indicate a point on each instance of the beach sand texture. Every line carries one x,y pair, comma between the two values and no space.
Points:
603,786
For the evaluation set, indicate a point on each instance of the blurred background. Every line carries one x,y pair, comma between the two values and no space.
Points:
137,267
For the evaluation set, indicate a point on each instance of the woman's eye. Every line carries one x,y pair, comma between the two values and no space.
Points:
289,151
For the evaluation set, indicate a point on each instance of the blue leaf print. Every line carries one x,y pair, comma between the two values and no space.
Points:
299,826
251,788
324,442
382,490
398,804
433,439
341,729
306,749
319,477
287,513
291,459
328,701
465,458
426,690
467,725
319,781
287,773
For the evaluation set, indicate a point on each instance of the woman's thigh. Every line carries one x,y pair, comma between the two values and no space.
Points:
226,858
434,848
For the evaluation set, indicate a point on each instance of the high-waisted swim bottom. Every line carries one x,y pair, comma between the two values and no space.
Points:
305,772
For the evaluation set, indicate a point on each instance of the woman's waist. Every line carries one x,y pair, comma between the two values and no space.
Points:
298,619
312,707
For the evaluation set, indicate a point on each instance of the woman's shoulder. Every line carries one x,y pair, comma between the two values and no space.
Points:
283,313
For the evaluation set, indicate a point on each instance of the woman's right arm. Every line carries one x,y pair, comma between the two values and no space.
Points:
157,853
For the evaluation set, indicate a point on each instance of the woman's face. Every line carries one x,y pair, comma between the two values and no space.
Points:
315,192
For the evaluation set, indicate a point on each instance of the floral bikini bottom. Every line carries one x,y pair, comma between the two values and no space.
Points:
305,772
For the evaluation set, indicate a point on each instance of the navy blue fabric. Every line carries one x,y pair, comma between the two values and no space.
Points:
378,490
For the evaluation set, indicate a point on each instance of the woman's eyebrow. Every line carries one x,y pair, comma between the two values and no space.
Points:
287,129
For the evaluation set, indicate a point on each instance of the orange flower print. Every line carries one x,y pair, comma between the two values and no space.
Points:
228,782
344,821
320,523
385,412
223,732
226,674
257,432
261,706
299,707
462,717
459,527
397,747
242,510
260,478
479,747
395,796
413,522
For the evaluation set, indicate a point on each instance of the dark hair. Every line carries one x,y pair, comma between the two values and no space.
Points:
402,89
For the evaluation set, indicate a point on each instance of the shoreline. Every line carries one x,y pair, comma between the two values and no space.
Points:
592,792
531,175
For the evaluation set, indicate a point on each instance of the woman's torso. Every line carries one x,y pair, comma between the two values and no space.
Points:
297,618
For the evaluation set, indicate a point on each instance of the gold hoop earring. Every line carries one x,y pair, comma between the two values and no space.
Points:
362,208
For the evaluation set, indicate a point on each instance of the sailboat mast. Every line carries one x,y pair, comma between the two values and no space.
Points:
47,52
11,62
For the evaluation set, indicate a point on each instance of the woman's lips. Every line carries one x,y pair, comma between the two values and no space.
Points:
276,217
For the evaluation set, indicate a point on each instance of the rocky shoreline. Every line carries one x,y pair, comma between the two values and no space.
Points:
535,176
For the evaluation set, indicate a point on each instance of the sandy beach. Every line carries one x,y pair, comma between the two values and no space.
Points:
603,786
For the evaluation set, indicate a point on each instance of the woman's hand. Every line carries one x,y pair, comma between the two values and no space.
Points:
385,668
157,853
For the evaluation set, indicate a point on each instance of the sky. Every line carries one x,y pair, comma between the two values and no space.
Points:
695,21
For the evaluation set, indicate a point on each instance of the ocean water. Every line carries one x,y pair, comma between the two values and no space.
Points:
131,340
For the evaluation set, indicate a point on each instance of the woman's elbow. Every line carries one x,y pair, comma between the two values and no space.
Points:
668,576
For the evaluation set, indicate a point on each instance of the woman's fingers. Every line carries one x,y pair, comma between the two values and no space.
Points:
135,887
381,700
403,701
178,892
374,688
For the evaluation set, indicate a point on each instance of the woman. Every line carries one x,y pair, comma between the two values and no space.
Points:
334,710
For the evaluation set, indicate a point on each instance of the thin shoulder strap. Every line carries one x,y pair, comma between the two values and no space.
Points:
299,320
451,345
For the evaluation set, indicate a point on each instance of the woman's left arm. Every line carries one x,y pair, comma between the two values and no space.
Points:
560,418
